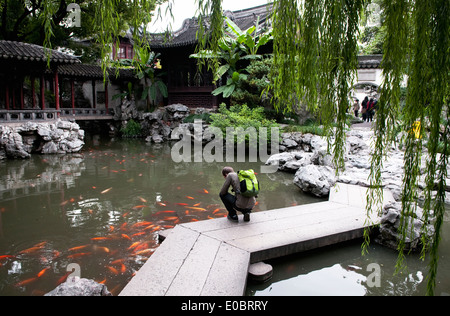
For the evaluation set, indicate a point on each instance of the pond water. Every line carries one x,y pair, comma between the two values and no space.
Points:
102,209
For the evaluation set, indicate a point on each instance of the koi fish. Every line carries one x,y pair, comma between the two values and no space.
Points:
196,208
182,204
197,204
123,225
216,210
139,207
144,252
126,236
143,223
118,261
205,191
26,282
134,245
138,234
106,191
113,270
123,268
142,200
64,278
161,204
78,248
161,212
100,238
105,249
42,272
148,227
30,250
189,197
7,257
170,218
78,255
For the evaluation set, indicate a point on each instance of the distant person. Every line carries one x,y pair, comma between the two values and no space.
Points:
364,108
235,202
370,110
356,107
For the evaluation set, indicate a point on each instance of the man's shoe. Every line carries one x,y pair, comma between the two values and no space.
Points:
247,217
233,218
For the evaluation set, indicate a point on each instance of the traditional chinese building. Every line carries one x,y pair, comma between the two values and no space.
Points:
185,84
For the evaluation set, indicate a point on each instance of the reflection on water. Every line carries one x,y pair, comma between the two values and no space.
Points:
103,209
341,270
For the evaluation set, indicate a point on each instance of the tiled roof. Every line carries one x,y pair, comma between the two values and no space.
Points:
369,61
29,52
92,72
187,35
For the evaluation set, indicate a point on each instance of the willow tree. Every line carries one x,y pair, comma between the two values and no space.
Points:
315,54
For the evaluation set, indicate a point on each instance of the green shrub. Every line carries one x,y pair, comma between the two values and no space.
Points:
244,117
133,129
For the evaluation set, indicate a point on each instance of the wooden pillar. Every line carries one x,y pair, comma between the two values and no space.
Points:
42,92
94,99
22,102
57,90
72,90
106,98
33,88
7,97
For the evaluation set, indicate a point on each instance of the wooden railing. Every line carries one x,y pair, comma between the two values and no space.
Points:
11,116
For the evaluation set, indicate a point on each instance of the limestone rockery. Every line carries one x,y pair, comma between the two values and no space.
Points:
59,137
306,156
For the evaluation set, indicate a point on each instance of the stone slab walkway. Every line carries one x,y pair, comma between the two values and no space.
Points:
212,257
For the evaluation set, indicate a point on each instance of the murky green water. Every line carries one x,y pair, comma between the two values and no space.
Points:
103,208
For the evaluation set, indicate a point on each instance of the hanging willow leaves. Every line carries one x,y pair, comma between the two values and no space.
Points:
315,54
210,31
393,64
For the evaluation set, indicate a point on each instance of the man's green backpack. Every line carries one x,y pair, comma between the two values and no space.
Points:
248,182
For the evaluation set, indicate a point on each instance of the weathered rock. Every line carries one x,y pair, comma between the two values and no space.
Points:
390,234
80,287
47,138
315,179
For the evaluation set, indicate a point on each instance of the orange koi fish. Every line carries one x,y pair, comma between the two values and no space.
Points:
78,248
142,199
123,268
78,255
30,250
161,212
7,257
205,191
26,282
161,204
216,210
182,204
126,236
105,249
170,218
134,245
197,204
143,223
43,272
138,234
113,270
196,208
118,261
144,252
189,197
100,238
139,207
